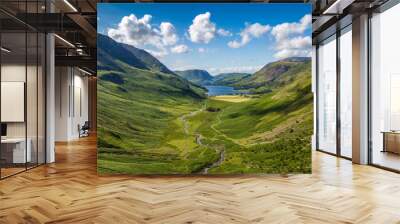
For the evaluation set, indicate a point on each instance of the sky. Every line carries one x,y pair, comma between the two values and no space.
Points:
220,38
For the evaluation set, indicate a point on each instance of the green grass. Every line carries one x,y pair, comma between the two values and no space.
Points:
141,128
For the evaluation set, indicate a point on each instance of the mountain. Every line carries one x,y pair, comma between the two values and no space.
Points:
296,59
109,51
151,62
137,95
274,74
197,76
227,79
153,121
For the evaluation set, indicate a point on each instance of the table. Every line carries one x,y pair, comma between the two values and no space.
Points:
391,141
14,150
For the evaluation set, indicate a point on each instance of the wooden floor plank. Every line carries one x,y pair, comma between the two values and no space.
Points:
70,191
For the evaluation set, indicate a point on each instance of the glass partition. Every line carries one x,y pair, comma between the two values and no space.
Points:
22,77
14,151
327,95
346,92
385,89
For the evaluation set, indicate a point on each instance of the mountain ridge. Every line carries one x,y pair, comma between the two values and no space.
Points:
128,54
197,76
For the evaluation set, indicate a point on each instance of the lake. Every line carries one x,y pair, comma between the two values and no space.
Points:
220,90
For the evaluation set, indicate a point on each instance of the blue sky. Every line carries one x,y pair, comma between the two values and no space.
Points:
217,37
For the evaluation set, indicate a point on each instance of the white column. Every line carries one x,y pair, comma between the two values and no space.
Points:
360,90
50,99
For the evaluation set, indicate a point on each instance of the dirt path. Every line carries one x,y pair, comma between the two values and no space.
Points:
185,122
213,127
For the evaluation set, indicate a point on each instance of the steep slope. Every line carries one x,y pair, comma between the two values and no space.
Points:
197,76
227,79
151,62
274,74
110,51
134,100
268,132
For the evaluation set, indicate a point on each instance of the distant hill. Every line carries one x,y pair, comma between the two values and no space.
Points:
274,74
296,59
197,76
128,54
227,79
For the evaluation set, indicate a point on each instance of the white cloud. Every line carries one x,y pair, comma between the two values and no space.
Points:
234,69
202,29
139,32
284,30
299,42
180,49
286,53
290,39
255,30
167,31
158,53
201,50
224,33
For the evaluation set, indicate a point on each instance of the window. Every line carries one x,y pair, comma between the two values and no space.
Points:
385,89
346,92
327,95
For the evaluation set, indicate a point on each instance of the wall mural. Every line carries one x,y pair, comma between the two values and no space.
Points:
204,88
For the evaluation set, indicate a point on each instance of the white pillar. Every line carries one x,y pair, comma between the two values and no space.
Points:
50,99
360,89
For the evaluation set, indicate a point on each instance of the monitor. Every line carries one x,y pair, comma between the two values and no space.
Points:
3,129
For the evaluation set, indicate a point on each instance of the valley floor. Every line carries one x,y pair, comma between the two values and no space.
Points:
204,138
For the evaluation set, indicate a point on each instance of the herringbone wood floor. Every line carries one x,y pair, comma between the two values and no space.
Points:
70,191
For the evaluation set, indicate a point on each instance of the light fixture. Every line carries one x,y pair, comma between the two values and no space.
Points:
70,5
337,7
5,50
84,71
64,40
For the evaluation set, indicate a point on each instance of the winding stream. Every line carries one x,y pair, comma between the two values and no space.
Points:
199,137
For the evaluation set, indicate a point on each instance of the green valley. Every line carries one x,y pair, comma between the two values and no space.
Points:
154,121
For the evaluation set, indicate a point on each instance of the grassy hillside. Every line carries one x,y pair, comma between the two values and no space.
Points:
197,76
155,122
274,133
229,79
110,51
274,75
137,111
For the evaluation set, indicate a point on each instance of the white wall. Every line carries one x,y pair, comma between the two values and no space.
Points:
71,102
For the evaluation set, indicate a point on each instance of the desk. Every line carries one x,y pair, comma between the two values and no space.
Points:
16,147
391,141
